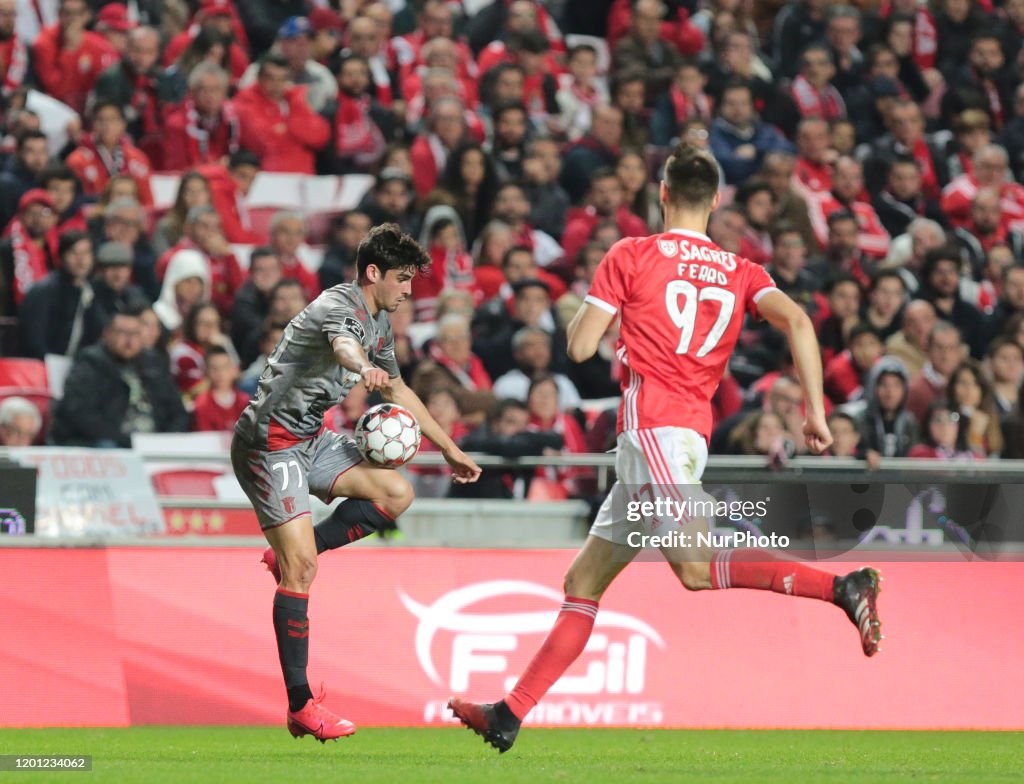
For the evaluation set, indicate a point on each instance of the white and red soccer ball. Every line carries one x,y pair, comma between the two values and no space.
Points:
388,435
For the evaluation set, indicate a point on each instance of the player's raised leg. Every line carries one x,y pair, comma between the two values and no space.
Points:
856,593
595,567
374,496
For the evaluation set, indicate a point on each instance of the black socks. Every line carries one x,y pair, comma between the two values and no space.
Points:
352,520
291,625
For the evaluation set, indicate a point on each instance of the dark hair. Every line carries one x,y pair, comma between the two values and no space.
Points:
575,50
603,173
837,414
27,136
878,277
201,45
531,41
285,283
451,391
262,252
625,76
936,255
963,424
839,280
179,212
784,227
274,59
510,184
508,106
68,240
691,175
1001,342
188,327
543,378
387,247
474,212
438,226
507,257
216,351
507,404
840,215
736,83
348,59
58,172
130,309
1012,268
816,47
106,104
243,158
751,188
862,328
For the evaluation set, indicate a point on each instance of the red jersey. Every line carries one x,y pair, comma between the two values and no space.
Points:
682,300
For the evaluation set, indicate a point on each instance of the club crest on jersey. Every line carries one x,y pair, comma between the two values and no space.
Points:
668,248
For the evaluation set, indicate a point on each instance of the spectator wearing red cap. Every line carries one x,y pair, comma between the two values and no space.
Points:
219,15
327,29
295,44
13,52
112,23
25,254
140,86
68,59
277,121
204,128
107,151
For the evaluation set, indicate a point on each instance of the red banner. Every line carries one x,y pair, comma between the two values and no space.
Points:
183,636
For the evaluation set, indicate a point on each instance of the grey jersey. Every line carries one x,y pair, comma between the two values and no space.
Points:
303,379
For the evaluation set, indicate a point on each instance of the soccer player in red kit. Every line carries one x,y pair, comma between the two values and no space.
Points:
682,300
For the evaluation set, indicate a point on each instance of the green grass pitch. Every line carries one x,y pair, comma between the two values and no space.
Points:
253,755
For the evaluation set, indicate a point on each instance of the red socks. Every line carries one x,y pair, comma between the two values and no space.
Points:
748,568
565,642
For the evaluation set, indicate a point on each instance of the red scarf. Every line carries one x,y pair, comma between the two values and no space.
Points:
929,180
30,260
686,109
114,162
199,134
472,376
144,103
13,63
357,135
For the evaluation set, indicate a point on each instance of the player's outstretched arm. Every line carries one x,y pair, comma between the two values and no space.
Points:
464,468
786,316
350,355
586,330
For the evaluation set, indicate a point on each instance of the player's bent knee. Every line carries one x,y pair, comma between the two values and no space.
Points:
695,575
581,586
298,571
398,494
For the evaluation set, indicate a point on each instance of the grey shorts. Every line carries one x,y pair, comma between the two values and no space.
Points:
279,483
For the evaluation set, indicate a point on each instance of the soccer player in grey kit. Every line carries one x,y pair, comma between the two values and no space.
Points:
281,453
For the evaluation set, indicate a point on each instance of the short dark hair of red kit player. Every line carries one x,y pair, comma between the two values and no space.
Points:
691,175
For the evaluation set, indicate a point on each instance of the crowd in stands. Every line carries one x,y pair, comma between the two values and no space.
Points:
870,155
